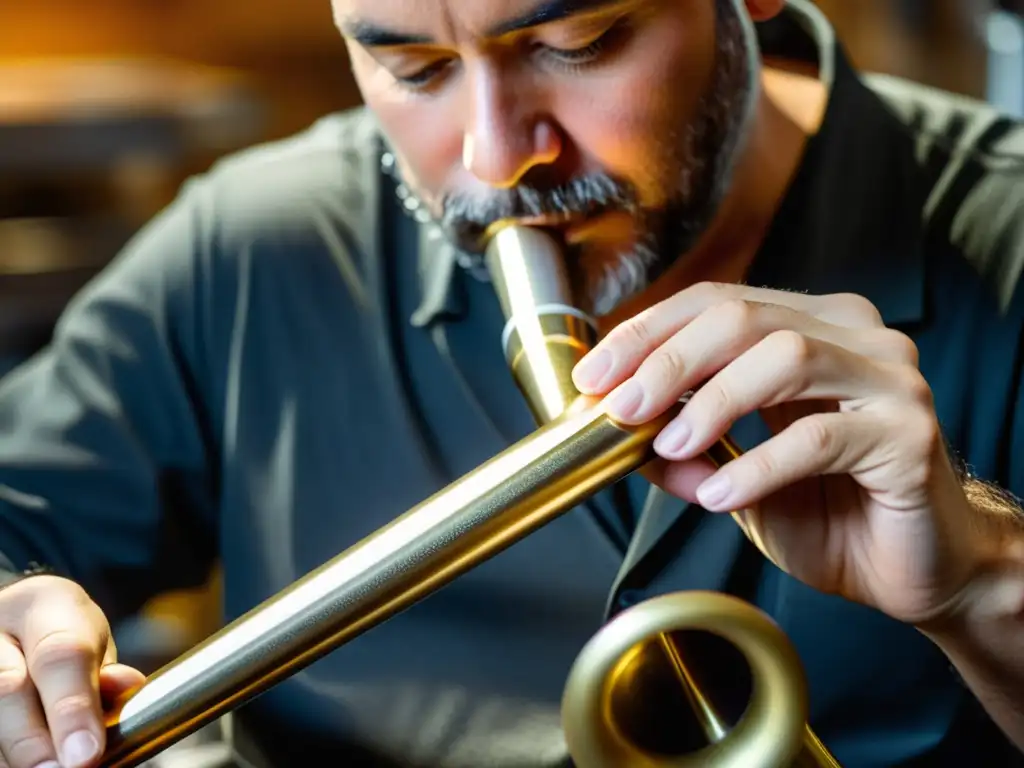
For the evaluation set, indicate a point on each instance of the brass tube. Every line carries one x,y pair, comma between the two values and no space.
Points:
505,499
576,452
771,731
545,336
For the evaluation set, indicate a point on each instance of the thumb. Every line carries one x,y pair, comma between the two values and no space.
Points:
116,682
679,478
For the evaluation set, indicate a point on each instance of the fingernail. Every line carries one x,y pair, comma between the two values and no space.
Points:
625,401
79,748
713,491
673,439
49,764
592,370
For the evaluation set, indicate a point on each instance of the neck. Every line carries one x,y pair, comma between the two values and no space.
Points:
789,110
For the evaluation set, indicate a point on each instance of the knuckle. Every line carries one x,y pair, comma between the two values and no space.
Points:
717,399
635,333
709,292
858,308
59,648
818,435
901,347
665,367
763,463
792,347
74,592
735,314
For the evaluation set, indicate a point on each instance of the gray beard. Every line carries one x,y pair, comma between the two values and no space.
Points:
707,156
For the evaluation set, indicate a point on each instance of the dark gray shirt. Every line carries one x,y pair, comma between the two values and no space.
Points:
245,384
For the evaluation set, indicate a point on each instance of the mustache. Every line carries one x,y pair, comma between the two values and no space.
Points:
465,218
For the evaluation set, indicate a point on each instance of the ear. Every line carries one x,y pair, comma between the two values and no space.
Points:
762,10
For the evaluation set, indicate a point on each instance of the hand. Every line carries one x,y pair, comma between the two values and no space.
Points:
855,493
56,667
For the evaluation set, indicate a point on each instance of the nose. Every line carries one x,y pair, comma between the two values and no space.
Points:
506,135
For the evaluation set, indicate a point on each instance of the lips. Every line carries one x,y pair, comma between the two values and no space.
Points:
613,227
559,222
576,228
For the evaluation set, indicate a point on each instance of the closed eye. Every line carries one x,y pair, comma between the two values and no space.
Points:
572,59
590,53
426,75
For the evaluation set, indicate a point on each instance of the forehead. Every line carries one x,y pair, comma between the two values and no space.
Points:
436,19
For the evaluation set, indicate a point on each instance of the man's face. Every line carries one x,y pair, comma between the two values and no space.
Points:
611,121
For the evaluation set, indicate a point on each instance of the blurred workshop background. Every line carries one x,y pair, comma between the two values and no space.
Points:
107,106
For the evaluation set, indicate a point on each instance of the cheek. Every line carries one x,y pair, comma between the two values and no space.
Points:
630,121
428,139
427,132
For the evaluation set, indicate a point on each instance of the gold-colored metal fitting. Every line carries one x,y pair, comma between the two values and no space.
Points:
545,335
495,227
576,451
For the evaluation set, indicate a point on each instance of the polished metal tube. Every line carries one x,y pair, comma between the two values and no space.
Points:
477,517
576,453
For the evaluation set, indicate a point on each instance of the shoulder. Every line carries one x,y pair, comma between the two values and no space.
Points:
279,216
971,159
314,188
958,128
271,223
327,173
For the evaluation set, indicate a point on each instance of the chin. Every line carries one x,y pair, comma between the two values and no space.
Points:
604,281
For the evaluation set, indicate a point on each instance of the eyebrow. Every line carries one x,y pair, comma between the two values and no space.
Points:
372,35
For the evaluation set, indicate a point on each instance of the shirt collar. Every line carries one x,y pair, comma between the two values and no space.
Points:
851,219
848,221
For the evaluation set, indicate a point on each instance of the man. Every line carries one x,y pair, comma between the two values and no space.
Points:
304,346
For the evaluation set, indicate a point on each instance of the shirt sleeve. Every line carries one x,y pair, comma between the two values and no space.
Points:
107,460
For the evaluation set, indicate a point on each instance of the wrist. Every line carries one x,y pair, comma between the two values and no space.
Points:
993,597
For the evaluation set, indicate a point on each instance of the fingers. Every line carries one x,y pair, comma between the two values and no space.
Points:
815,445
882,452
116,680
64,640
626,346
24,738
785,367
720,335
680,478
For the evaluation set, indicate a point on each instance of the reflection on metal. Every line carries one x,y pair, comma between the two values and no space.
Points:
576,451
